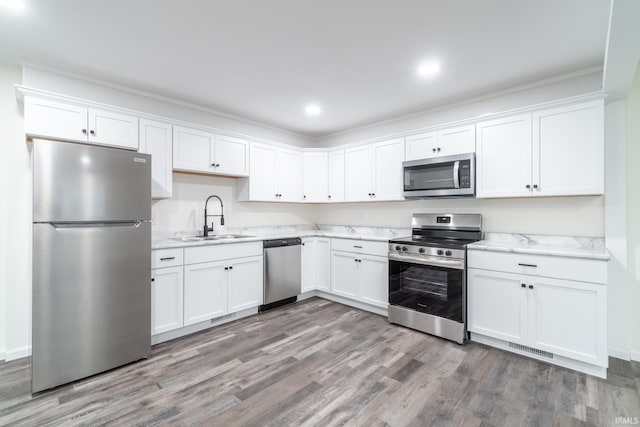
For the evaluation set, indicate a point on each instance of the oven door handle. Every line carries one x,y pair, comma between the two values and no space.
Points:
456,174
432,261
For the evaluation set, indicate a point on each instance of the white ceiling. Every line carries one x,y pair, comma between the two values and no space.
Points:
265,60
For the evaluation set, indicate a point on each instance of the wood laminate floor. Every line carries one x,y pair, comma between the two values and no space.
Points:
321,363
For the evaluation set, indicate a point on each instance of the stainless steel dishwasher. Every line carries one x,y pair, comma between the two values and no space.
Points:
282,272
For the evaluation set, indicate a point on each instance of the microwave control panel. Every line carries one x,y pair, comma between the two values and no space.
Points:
465,174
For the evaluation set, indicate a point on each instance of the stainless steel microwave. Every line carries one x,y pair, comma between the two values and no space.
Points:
448,176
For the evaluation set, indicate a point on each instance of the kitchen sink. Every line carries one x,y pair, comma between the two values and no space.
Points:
213,237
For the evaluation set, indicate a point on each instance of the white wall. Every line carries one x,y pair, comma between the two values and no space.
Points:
616,229
633,214
104,92
15,218
576,216
184,211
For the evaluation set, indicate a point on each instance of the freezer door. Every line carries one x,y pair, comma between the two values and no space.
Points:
82,183
91,300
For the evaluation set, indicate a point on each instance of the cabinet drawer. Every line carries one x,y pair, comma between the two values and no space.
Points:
584,270
360,246
222,251
166,258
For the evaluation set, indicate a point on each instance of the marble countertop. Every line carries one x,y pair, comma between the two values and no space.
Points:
566,246
256,234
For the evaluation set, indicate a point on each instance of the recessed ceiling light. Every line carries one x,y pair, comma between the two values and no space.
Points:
313,109
429,69
12,4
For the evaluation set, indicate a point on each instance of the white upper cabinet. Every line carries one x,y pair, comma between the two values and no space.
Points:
109,128
374,171
503,157
275,175
457,140
336,176
231,156
568,150
43,118
555,152
192,149
445,142
358,173
316,182
53,119
200,151
289,179
388,176
156,139
422,146
261,183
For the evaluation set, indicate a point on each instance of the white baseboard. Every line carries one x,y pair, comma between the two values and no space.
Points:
17,353
619,353
635,356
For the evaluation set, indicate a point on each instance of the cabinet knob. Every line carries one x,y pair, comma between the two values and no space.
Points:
523,285
217,165
304,197
329,196
373,194
527,186
153,279
434,150
213,165
92,132
84,131
530,286
231,267
438,149
535,186
226,268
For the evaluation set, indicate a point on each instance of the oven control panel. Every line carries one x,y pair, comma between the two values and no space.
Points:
424,251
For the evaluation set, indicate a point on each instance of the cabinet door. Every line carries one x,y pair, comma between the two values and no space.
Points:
245,283
388,175
568,318
358,173
316,185
323,264
156,139
114,129
458,140
205,291
373,280
497,305
568,150
52,119
503,157
231,156
262,172
343,274
289,176
336,176
309,272
422,146
166,299
192,150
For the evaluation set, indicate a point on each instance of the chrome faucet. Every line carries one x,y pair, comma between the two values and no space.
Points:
207,229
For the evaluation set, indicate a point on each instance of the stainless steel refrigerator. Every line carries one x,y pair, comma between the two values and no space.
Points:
91,260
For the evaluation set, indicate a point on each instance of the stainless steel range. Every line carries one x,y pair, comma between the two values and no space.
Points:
427,274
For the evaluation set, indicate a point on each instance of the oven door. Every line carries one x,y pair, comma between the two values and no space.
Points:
423,286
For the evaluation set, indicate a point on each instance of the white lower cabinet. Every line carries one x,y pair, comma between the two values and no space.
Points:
558,320
361,271
244,282
200,283
205,291
315,263
166,299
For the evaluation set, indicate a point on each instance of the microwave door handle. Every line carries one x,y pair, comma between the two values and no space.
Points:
456,174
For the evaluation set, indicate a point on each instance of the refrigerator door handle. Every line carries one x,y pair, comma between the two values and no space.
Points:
133,224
